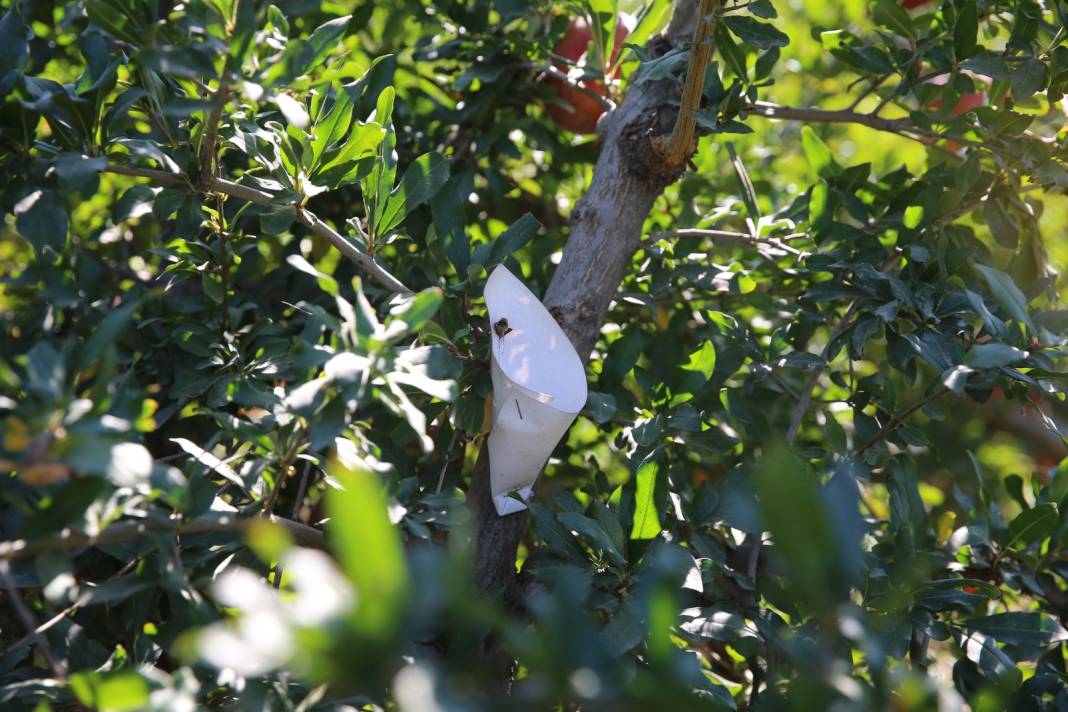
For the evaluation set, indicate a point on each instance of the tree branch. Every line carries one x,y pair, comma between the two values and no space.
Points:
897,420
211,134
131,531
727,236
559,74
681,145
895,126
305,217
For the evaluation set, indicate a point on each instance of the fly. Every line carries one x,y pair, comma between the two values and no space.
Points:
501,328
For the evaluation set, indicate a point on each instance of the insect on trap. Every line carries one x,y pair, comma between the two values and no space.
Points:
539,386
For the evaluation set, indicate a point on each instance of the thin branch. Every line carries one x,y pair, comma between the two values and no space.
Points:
898,419
156,176
895,126
445,464
211,134
244,192
346,248
559,74
259,197
302,490
26,616
131,531
728,236
873,85
681,144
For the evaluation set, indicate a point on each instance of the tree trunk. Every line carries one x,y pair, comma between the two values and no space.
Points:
606,231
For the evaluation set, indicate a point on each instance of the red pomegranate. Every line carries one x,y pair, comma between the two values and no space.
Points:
577,110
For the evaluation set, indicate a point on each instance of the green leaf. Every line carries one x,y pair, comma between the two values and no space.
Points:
332,127
41,218
661,67
994,355
818,154
413,312
989,64
819,205
802,534
1026,630
891,15
423,178
1007,294
733,55
601,407
1028,78
653,17
745,183
703,360
756,33
1002,223
244,32
277,19
111,691
106,333
913,216
595,535
646,523
75,170
326,283
368,548
312,51
966,30
124,19
447,211
558,537
14,49
603,15
988,589
363,142
210,461
1031,525
518,234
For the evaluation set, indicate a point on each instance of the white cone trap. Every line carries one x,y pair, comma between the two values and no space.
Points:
539,386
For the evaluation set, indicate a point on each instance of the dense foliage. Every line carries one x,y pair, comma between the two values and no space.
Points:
242,263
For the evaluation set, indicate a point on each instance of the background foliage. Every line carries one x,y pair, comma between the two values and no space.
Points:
185,352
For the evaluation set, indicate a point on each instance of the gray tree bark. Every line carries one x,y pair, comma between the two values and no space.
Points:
606,231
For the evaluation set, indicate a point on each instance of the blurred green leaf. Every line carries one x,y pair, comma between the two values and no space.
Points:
368,549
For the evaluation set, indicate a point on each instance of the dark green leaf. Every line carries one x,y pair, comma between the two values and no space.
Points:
423,178
966,30
994,355
518,234
1023,629
754,32
41,218
1032,525
1007,294
1028,78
